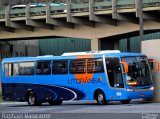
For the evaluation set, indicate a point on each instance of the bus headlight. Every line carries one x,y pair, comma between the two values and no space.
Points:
151,88
129,90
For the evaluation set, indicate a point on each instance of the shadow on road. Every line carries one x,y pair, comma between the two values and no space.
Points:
79,103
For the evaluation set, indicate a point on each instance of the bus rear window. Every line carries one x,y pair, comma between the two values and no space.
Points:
11,69
27,68
8,69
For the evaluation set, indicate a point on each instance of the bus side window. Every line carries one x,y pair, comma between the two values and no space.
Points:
43,67
27,68
78,66
95,66
59,67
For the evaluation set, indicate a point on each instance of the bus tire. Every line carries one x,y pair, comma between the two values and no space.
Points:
125,101
32,99
100,97
56,102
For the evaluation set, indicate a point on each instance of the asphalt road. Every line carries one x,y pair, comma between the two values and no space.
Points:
87,109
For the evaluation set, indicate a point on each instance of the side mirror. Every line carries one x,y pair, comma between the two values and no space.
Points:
125,67
156,66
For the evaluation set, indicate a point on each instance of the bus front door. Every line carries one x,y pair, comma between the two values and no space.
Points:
115,79
118,82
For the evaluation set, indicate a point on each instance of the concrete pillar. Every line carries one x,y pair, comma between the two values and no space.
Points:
151,49
116,45
95,44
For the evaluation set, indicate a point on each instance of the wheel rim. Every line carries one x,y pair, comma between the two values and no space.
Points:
31,99
100,98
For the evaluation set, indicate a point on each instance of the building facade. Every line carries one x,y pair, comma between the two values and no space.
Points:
58,46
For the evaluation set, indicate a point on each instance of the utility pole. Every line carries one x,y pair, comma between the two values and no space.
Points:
141,22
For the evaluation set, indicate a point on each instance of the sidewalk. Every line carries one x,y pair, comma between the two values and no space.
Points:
11,103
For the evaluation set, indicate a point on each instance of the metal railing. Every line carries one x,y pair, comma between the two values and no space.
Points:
83,7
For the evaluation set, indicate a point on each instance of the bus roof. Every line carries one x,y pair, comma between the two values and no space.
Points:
125,54
73,56
91,52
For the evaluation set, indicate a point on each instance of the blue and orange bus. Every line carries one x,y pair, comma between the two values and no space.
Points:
102,76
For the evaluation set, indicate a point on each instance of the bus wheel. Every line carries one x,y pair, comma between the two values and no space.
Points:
32,101
100,98
125,101
56,102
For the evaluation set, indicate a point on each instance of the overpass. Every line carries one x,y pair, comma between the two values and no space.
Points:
92,20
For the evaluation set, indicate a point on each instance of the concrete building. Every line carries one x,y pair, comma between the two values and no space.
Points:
151,49
103,22
58,46
19,48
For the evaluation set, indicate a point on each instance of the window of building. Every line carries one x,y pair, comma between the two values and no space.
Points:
95,65
27,68
11,69
59,67
78,66
43,68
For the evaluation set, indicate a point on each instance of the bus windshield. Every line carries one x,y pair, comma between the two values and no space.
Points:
139,71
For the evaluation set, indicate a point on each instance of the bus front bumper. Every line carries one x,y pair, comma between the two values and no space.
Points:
140,93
